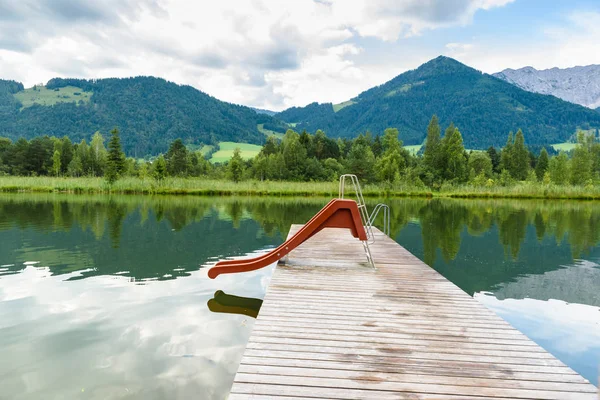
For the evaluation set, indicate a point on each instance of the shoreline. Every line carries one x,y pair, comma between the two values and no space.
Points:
206,187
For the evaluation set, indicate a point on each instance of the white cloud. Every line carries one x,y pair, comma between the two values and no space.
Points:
571,327
459,50
265,53
110,338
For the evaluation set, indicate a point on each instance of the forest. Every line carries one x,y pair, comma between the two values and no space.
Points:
484,107
150,113
302,157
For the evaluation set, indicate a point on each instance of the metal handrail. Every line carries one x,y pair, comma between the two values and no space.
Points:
386,217
362,207
366,220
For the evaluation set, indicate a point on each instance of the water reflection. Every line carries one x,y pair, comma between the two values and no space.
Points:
570,331
91,272
144,238
535,263
72,221
102,337
227,303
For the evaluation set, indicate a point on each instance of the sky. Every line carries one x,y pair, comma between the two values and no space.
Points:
275,54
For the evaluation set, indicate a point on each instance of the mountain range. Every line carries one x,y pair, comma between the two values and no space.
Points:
483,107
152,112
580,85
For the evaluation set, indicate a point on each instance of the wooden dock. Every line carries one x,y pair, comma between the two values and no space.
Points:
331,327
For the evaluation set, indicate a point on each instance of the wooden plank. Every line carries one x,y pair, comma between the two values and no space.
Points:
449,314
437,370
412,387
350,357
442,346
411,377
405,353
375,327
398,325
247,391
373,336
331,327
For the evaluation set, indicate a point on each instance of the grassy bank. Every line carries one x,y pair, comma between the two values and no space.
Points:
197,186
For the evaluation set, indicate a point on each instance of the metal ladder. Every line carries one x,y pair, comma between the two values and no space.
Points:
367,220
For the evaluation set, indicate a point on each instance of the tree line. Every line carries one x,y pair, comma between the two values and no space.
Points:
52,156
443,160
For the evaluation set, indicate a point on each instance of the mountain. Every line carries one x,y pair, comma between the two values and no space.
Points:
579,85
150,113
483,107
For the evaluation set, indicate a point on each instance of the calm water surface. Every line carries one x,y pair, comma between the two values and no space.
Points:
107,297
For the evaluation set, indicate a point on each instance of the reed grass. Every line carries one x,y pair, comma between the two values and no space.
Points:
206,187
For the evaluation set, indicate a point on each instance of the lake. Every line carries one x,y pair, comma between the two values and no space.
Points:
108,297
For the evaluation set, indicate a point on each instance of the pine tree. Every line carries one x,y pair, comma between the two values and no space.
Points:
306,141
377,146
361,161
454,155
235,168
160,168
542,165
506,154
115,164
66,153
432,153
294,155
520,158
581,162
391,163
270,147
176,158
495,158
559,169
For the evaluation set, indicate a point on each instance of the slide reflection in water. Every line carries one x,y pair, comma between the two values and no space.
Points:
230,304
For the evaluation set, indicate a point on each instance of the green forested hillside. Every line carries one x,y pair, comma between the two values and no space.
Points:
483,107
150,112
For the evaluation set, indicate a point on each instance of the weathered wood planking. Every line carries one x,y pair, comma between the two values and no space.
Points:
331,327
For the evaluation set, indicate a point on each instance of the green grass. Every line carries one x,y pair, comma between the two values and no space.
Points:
568,146
268,132
403,89
226,151
194,186
564,146
413,149
48,97
208,187
338,107
207,148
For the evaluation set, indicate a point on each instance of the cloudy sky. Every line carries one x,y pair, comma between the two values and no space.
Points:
275,54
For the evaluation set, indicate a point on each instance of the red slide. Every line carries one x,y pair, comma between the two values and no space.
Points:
338,213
